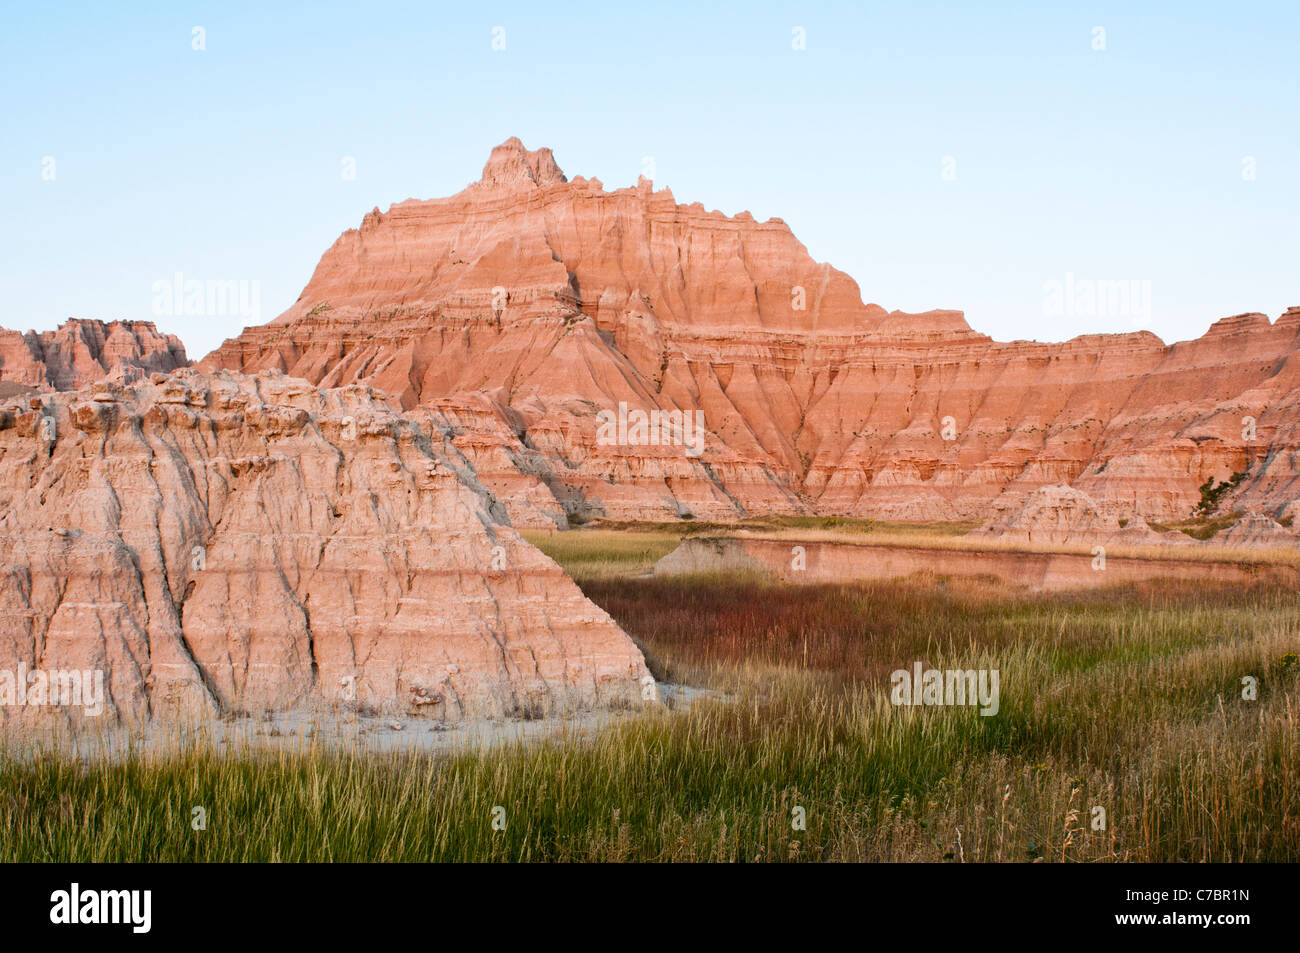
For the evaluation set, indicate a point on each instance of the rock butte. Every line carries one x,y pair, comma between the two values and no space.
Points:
222,543
321,512
1061,515
518,309
83,352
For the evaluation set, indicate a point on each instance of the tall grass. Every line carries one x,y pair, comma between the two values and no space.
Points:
612,549
621,548
605,552
1125,700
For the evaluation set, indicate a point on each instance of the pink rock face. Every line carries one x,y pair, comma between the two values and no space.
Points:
1255,531
81,352
1061,516
1051,515
223,543
527,305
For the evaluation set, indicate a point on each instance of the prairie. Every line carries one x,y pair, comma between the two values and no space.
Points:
1146,723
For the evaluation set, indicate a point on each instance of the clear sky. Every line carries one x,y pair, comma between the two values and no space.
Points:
984,157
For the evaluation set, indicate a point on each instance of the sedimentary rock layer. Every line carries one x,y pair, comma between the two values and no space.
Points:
521,308
82,352
1061,515
222,544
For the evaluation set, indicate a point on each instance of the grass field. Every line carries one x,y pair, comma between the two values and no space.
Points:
1129,701
614,548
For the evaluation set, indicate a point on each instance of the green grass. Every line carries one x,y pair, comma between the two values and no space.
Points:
1127,700
604,552
1201,527
846,524
607,548
1124,699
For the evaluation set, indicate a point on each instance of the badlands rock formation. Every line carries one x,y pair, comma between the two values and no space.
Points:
1061,515
1256,531
81,352
521,308
1051,515
223,544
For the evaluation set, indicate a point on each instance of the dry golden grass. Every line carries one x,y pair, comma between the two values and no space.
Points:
633,548
1128,700
604,552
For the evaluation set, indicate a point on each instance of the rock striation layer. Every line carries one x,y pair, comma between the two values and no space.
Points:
223,544
525,307
1062,516
1052,515
79,353
1257,531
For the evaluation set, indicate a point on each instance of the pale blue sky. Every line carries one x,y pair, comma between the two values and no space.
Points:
225,164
